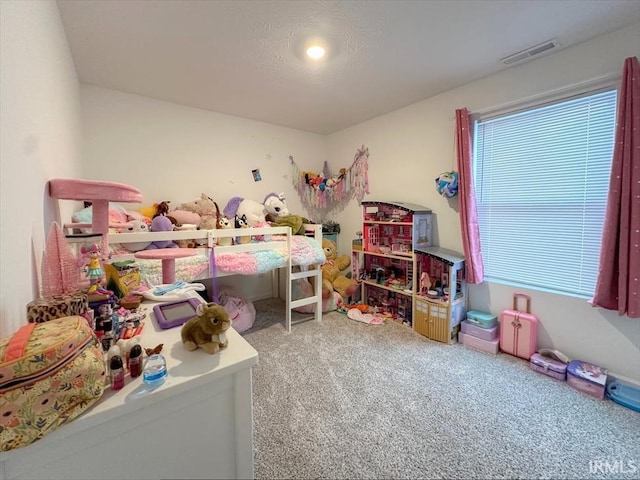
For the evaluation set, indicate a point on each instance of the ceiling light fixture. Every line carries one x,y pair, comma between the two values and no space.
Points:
315,52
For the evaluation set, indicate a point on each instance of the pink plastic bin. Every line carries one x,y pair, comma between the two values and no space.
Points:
489,346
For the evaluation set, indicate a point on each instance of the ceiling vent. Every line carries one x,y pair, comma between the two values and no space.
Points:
531,52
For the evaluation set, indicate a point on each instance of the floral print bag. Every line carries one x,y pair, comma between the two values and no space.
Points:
49,374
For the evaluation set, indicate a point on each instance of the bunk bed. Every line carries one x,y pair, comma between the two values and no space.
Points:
270,249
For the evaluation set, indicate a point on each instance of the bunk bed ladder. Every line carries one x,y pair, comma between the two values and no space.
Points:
314,274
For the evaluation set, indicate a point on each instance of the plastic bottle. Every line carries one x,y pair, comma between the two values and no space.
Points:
135,361
155,371
116,372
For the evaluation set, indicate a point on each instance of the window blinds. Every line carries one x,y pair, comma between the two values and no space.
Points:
542,179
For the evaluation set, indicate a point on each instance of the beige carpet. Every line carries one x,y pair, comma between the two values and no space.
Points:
341,399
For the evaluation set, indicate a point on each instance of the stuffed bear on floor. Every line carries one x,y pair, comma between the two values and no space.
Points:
332,277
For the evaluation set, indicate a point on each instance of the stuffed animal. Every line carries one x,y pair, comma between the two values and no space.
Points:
224,222
332,277
149,211
241,222
275,204
296,222
162,209
252,210
207,329
154,210
161,223
278,214
184,217
137,226
206,208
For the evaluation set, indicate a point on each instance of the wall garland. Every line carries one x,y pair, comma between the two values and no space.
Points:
324,190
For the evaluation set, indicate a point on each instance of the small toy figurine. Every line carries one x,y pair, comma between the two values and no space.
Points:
153,351
425,283
95,272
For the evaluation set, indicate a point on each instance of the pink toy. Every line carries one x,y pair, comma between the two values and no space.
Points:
99,194
60,274
241,311
489,346
168,257
488,334
519,330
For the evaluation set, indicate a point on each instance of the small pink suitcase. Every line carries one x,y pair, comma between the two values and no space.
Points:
519,330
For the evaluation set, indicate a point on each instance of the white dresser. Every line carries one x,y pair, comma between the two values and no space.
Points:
198,424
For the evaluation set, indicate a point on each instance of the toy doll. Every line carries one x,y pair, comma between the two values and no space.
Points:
95,272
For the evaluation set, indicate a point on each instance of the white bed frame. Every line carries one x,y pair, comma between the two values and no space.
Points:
210,238
101,193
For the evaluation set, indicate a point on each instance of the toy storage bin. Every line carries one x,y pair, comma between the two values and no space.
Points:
548,366
488,334
489,346
624,394
481,319
587,378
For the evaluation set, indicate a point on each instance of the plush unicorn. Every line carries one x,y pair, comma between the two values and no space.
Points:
254,211
275,205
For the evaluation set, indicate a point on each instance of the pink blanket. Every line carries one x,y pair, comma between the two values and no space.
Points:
305,251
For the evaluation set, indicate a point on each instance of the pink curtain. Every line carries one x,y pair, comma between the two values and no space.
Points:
618,285
468,212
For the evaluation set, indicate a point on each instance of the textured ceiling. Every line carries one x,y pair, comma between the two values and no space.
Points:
245,58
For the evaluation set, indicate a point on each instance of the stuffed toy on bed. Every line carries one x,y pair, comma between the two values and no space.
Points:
137,226
253,211
161,224
275,204
205,208
278,214
117,215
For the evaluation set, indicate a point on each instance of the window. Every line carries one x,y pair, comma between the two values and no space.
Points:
542,179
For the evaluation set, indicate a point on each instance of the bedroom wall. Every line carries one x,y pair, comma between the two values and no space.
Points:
153,145
41,135
411,146
172,152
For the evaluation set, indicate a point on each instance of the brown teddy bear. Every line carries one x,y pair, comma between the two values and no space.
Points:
332,277
207,330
